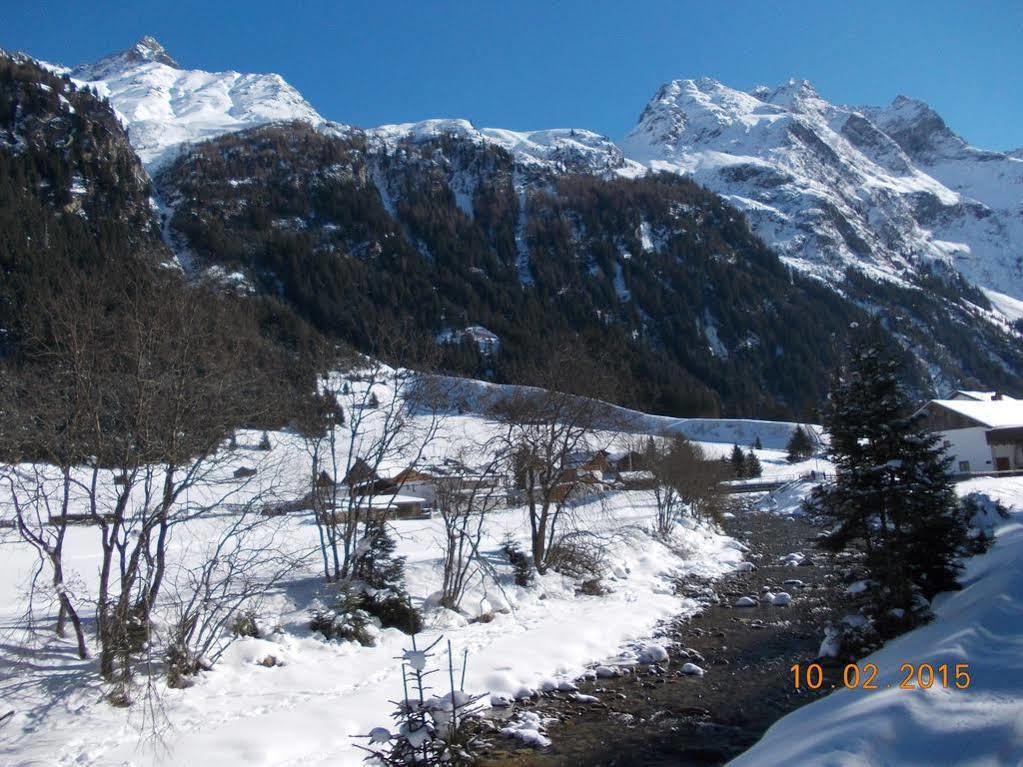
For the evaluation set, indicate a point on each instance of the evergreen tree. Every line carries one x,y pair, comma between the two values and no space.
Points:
800,447
383,578
753,467
378,568
893,495
738,462
264,442
757,444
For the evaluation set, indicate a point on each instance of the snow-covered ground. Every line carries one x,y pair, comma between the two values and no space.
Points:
982,625
307,708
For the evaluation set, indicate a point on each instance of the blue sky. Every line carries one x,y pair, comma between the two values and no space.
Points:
566,64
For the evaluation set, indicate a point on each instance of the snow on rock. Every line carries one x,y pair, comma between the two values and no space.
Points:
746,602
500,700
528,728
605,672
831,645
691,669
652,653
745,567
781,599
857,587
795,559
793,583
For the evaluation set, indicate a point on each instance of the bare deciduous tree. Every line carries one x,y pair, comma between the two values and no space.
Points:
464,500
369,421
236,570
549,429
685,482
129,391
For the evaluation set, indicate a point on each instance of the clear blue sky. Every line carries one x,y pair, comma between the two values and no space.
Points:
566,64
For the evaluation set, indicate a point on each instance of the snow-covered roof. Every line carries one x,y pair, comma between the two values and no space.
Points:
992,413
979,396
635,476
388,501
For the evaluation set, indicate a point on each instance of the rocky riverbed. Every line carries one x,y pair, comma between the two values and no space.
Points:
660,715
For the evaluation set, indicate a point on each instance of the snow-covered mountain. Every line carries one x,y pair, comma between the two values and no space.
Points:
564,150
882,189
890,192
166,107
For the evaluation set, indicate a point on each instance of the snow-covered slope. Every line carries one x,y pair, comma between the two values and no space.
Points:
165,106
883,189
565,150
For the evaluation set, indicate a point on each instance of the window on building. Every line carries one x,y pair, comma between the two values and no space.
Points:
964,467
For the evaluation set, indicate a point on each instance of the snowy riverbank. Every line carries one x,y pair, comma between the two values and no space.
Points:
982,626
307,710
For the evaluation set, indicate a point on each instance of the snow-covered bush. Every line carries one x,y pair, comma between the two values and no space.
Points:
345,619
982,514
382,577
182,663
245,625
577,558
393,610
521,562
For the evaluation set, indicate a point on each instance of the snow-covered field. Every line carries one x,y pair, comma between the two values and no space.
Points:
982,625
308,708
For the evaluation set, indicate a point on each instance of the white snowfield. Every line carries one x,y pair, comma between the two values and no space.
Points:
982,625
166,107
309,707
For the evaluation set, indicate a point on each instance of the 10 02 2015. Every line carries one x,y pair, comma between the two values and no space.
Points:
856,676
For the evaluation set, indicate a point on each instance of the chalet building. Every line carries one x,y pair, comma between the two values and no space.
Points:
984,430
451,475
598,465
393,506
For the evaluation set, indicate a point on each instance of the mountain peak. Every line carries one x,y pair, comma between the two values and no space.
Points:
148,48
918,129
791,94
167,106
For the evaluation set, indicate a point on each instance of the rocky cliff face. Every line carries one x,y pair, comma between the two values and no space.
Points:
888,190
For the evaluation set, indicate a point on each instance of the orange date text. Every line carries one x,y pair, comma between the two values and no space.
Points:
855,676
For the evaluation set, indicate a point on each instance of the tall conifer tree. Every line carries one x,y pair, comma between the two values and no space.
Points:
893,494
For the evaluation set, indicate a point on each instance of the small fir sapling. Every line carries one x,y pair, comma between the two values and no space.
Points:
428,730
